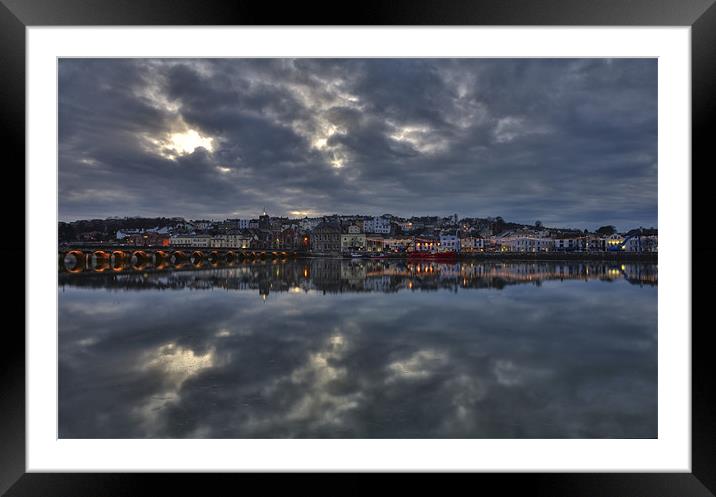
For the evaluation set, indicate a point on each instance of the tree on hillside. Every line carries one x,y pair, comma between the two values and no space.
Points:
498,226
607,230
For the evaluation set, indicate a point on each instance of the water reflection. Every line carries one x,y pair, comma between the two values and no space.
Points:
340,275
370,349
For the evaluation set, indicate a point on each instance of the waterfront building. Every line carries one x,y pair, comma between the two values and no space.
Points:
181,240
397,243
530,244
473,244
374,243
190,240
326,238
425,244
352,240
148,239
291,238
449,243
260,239
595,243
230,240
614,242
569,243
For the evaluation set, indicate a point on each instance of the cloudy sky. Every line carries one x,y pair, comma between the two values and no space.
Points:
571,142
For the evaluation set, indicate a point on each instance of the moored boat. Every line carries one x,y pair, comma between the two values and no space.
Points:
433,256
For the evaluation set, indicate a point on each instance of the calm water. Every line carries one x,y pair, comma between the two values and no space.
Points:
329,348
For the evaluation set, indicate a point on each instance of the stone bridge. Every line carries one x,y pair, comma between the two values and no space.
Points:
116,258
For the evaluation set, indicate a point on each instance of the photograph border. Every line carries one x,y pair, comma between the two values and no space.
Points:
16,15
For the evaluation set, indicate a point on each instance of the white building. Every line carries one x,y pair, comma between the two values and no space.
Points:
530,244
449,243
190,241
377,225
230,241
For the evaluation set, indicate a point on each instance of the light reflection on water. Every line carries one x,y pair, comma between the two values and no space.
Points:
336,348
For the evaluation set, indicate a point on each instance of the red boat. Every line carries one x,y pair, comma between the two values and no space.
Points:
433,256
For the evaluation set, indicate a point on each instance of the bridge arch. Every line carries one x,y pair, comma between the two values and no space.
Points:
178,255
100,260
140,260
140,254
197,258
179,258
118,260
214,258
162,259
80,259
119,255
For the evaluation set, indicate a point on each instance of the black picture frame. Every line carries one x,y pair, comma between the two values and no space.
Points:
16,15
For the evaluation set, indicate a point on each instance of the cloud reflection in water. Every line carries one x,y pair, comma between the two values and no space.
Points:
565,358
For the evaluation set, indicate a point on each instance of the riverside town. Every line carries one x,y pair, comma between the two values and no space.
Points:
358,236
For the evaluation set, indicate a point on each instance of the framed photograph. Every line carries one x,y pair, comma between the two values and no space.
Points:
421,239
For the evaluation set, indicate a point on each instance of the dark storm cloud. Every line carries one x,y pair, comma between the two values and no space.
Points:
566,141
